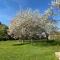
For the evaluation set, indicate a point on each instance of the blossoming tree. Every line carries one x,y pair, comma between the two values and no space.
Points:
29,24
56,3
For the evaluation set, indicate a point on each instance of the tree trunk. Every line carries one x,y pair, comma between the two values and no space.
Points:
22,42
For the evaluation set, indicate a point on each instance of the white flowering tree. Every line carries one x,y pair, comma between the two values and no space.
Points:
29,24
56,3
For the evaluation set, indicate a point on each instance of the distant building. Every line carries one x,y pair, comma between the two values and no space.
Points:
54,36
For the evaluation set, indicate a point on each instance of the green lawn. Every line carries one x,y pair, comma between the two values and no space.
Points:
12,50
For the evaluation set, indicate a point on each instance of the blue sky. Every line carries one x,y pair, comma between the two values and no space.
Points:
9,8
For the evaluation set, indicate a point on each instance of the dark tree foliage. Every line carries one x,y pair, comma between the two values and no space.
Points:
3,32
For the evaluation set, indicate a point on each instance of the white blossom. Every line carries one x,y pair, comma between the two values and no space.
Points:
56,3
29,23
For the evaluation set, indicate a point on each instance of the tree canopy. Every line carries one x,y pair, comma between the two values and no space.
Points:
29,23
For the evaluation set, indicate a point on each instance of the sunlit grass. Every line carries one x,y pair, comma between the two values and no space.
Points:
12,50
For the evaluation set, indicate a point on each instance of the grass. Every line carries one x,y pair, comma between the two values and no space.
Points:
12,50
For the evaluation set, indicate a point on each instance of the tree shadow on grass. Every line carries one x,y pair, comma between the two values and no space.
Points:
40,43
20,44
46,43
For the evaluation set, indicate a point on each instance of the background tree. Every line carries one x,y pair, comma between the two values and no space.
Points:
3,31
56,3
